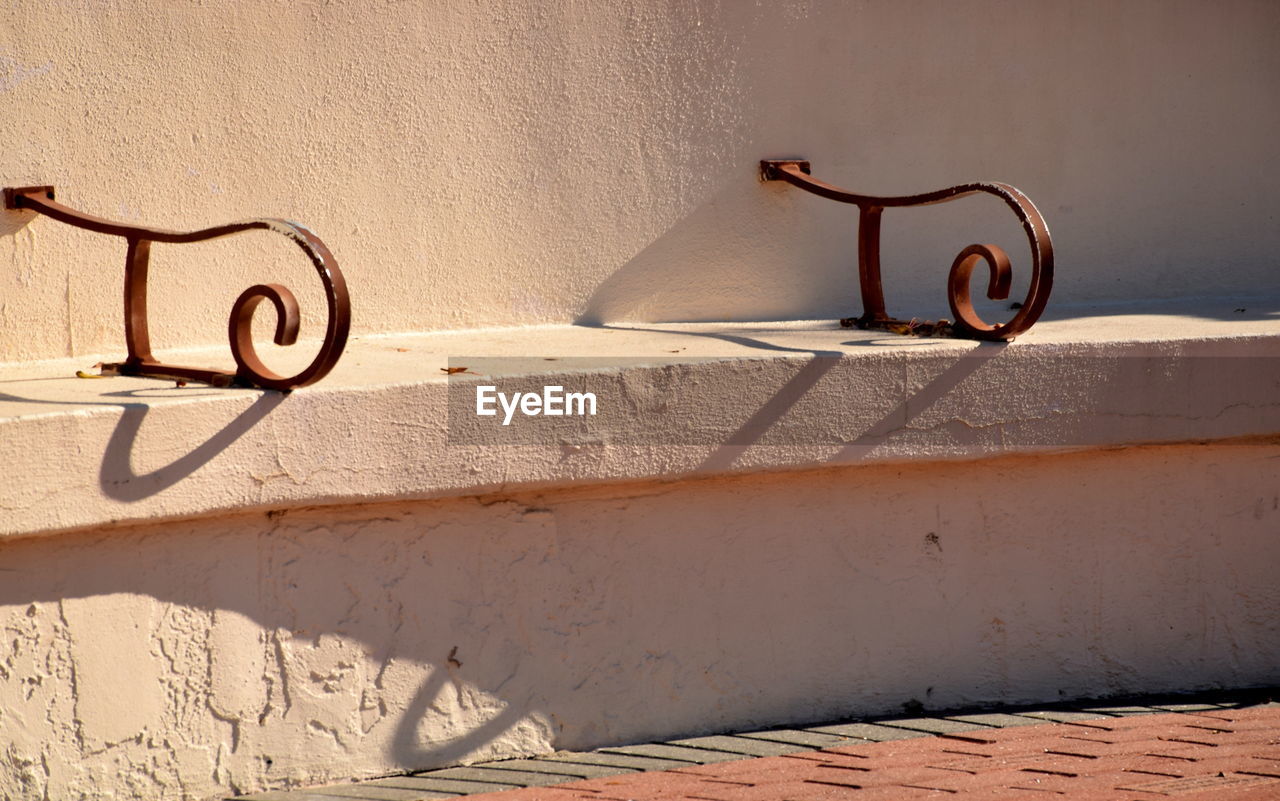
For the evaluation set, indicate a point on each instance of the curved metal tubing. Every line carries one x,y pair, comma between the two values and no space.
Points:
968,322
250,369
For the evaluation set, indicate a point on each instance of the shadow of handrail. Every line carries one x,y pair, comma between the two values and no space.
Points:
773,410
922,399
117,477
404,746
797,386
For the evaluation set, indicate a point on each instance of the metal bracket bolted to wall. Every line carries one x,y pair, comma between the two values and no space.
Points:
250,371
968,323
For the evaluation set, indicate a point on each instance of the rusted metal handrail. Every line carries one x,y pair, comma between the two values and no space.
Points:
968,323
250,369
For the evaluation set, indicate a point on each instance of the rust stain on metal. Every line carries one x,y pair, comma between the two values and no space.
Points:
968,323
250,371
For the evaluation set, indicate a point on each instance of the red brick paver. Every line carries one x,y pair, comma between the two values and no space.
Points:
1223,755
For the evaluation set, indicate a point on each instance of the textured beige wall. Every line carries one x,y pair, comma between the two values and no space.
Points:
509,163
515,162
187,659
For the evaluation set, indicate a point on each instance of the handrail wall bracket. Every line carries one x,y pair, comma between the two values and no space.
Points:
250,371
968,323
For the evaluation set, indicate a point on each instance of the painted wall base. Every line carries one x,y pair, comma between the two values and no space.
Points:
195,659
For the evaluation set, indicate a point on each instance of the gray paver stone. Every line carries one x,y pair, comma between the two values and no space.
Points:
1189,707
282,795
675,753
741,745
810,739
617,760
997,719
566,771
1060,715
428,795
866,731
456,786
523,778
1121,711
933,725
367,792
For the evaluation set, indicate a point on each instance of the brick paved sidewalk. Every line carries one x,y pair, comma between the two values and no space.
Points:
1225,746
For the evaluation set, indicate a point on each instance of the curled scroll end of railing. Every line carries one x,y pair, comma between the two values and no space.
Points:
968,323
249,367
250,370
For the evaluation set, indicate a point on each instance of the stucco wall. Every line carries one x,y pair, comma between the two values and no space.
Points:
513,163
191,658
518,162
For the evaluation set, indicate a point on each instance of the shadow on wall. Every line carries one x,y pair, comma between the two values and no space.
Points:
262,627
272,648
725,261
117,476
444,632
955,370
735,258
347,635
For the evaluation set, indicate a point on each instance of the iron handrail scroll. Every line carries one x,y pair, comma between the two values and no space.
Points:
968,323
250,371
